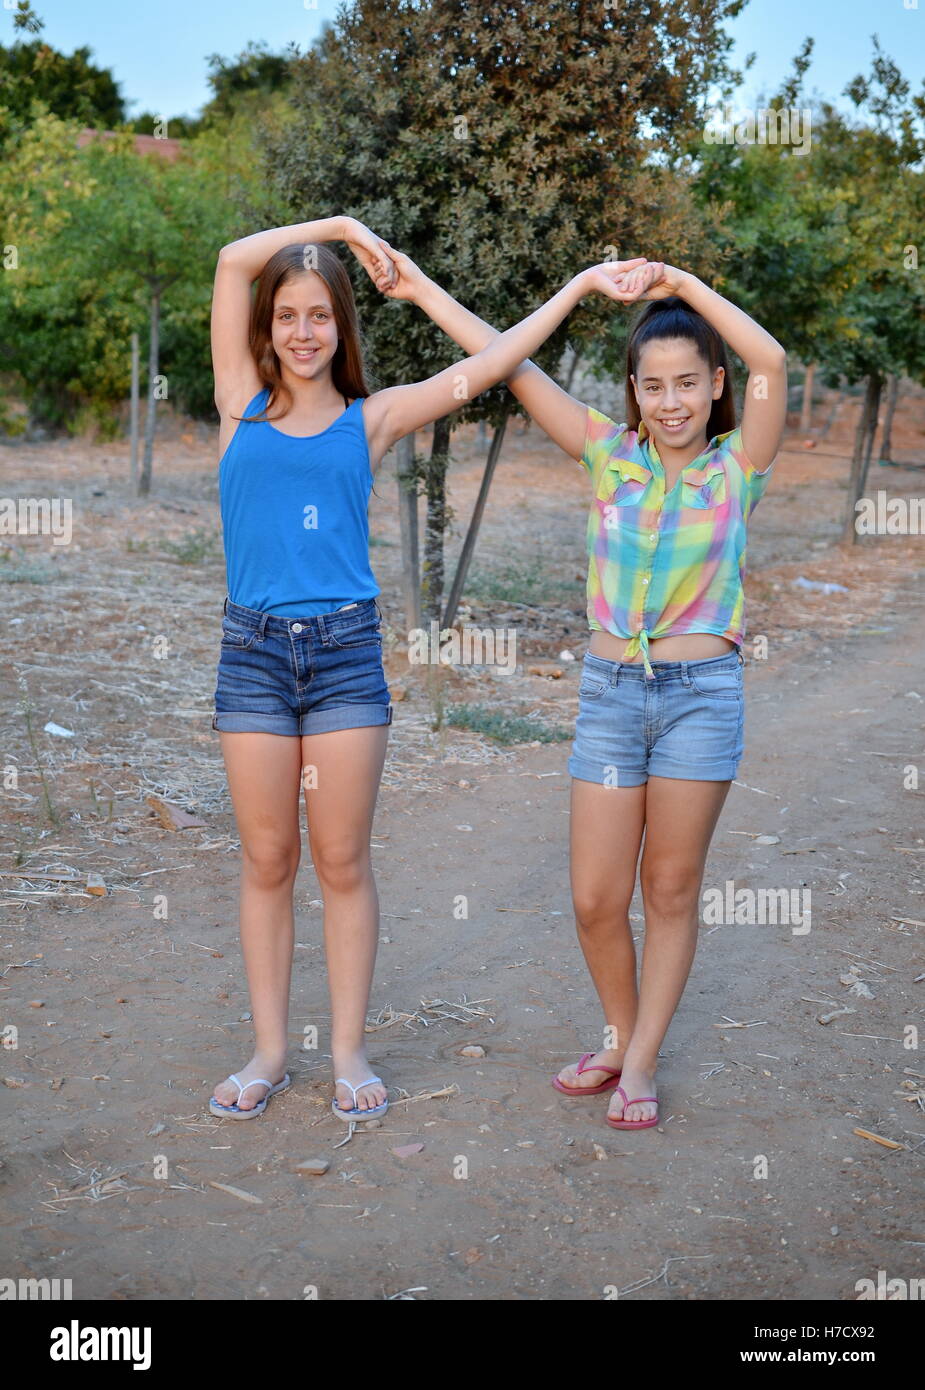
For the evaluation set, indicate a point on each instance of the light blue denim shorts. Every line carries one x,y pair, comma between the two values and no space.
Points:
687,722
301,675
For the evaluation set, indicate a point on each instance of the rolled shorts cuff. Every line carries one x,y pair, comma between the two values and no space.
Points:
720,771
321,721
606,775
658,767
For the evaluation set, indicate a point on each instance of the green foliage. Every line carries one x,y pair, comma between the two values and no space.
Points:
501,148
503,728
99,231
69,86
518,581
194,547
14,571
816,245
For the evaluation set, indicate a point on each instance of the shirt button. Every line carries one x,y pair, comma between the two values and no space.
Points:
297,627
645,581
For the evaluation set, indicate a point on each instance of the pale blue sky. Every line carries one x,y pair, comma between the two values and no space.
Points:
158,51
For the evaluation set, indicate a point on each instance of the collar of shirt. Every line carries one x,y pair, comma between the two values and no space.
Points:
646,449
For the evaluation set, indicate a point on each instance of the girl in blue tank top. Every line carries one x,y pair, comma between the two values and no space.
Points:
301,699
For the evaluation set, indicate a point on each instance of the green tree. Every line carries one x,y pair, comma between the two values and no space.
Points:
879,156
503,148
69,86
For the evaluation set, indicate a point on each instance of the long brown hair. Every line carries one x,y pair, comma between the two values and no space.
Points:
282,268
673,318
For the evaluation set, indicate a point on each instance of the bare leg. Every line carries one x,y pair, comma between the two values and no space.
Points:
606,827
347,767
263,778
681,816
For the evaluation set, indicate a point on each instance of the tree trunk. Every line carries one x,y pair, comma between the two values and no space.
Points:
408,527
836,406
863,439
572,368
462,568
144,482
133,428
435,526
875,388
892,396
806,414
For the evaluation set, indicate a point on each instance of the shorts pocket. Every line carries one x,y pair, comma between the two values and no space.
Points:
718,684
242,639
591,687
364,633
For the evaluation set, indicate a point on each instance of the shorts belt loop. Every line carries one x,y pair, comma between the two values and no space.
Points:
685,674
225,606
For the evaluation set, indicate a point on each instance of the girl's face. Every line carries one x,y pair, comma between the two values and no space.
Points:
305,334
675,391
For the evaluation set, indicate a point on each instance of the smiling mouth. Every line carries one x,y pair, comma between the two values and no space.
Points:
303,354
675,424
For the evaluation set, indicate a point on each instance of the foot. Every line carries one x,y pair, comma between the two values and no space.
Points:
270,1068
636,1081
355,1067
590,1075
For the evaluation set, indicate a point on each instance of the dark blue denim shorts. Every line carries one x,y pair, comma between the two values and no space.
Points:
301,675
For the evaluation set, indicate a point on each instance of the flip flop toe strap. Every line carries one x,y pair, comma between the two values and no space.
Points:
614,1071
637,1100
342,1081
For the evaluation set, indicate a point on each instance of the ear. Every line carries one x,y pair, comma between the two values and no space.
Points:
635,388
719,380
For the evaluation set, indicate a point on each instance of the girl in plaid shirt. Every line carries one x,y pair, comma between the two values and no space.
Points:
661,714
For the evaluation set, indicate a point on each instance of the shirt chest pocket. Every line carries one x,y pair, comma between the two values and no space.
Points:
703,489
620,496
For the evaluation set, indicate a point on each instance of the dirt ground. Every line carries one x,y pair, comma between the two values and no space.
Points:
517,1193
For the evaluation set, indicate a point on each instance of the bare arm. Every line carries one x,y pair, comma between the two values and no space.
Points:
562,416
765,411
239,264
494,357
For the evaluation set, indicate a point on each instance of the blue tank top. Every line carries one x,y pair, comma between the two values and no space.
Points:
294,515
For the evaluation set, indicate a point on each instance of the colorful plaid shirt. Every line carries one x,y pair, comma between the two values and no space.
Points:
663,564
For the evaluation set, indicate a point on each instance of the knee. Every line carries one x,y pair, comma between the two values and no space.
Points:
669,893
341,866
270,866
597,908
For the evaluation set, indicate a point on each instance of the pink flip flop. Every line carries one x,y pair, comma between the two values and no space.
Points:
588,1090
632,1124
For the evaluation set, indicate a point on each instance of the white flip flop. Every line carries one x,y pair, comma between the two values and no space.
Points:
351,1116
233,1112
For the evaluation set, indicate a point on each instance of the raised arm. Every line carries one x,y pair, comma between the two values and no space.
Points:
239,264
562,416
765,411
395,412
